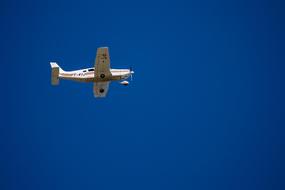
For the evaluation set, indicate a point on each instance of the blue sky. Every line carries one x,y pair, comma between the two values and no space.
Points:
205,109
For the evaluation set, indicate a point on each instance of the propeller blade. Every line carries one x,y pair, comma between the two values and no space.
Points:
131,70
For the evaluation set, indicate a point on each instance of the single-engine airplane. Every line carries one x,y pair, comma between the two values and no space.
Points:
101,74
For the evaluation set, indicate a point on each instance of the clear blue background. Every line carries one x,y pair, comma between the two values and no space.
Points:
205,109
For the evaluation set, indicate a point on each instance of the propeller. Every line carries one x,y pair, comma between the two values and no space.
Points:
131,70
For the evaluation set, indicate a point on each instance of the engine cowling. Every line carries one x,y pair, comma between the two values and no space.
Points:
125,83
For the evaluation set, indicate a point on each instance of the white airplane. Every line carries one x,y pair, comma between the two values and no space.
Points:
101,74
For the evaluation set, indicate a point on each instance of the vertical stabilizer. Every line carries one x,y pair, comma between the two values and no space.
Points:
55,70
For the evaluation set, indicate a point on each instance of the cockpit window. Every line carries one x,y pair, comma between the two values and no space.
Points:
90,69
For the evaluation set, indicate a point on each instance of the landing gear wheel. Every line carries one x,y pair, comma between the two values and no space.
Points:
101,90
102,76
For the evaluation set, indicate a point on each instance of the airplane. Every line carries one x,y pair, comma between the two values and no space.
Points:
101,74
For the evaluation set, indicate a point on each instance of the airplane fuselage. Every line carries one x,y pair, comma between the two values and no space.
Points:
87,75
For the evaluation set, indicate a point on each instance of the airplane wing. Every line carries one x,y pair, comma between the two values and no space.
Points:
102,63
100,89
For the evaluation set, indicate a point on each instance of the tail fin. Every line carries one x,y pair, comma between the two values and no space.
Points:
55,71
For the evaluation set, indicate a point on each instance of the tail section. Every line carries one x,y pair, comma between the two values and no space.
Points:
55,71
